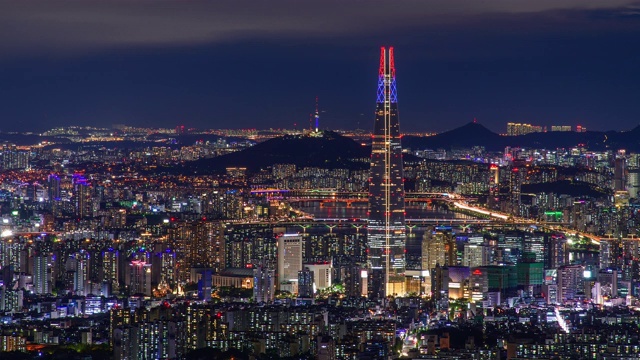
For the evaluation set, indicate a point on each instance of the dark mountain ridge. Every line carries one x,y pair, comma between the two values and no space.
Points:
328,151
474,134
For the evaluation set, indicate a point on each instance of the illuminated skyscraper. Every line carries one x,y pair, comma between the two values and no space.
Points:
110,266
42,274
305,283
263,284
83,197
198,245
620,174
386,226
289,261
54,187
515,189
140,278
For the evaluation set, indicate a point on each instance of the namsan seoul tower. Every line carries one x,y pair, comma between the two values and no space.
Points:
386,234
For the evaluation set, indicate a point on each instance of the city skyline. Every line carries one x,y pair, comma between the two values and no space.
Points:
202,206
564,62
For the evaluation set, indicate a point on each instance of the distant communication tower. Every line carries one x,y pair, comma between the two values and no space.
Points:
317,116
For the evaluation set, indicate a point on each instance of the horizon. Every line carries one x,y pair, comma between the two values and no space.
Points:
302,130
210,65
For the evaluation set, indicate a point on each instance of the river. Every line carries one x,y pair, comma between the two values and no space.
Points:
359,210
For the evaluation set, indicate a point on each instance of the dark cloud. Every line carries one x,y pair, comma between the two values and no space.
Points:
70,27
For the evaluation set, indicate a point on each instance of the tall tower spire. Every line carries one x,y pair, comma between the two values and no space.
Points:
317,116
386,234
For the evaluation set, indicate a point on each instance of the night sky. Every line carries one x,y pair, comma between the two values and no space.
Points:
222,65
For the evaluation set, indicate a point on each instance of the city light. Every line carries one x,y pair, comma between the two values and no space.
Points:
153,240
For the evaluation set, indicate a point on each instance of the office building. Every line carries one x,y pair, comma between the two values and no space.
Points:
289,261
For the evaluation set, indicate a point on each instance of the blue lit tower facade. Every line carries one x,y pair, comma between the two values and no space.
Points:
386,234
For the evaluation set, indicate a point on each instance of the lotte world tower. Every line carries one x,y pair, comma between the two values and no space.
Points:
386,234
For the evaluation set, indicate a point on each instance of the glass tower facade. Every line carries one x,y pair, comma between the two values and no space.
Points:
386,225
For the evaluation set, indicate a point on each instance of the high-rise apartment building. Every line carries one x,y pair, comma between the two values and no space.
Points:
434,253
556,251
515,190
42,274
305,283
12,158
560,127
620,174
570,282
263,284
633,182
54,187
83,197
109,270
198,245
475,255
140,278
434,249
515,129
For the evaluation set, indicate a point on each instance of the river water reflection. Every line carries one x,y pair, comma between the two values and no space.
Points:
359,210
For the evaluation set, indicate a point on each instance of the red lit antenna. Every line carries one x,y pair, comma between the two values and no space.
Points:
381,71
392,65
